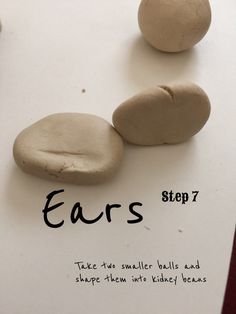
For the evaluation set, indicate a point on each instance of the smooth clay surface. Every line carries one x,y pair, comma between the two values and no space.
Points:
174,25
163,115
70,147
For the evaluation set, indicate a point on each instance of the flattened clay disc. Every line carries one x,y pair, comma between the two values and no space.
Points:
163,114
69,147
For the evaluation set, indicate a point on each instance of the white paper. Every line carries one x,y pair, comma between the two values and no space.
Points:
89,56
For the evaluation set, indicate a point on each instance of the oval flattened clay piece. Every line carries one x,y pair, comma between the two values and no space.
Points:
174,25
163,115
70,147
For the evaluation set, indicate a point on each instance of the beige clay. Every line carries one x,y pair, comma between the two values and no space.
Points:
163,114
70,147
174,25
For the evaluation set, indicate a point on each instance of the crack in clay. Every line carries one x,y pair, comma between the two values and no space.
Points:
168,90
59,171
65,167
63,153
53,175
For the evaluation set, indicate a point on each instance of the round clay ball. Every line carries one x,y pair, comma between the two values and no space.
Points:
174,25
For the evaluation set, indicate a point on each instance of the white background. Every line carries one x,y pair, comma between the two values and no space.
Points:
49,51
